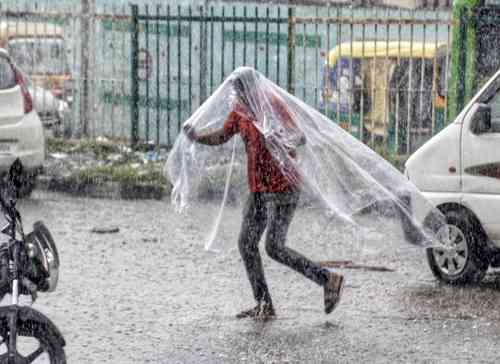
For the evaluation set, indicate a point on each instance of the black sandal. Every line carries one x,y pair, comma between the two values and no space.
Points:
252,312
333,291
260,312
266,312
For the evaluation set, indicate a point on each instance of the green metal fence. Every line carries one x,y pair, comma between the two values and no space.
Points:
200,46
177,69
138,72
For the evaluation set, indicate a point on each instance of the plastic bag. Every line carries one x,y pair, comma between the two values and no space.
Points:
351,185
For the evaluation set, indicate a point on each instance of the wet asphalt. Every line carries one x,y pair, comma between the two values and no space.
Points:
151,294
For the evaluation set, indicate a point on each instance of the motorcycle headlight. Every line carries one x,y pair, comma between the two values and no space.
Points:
43,252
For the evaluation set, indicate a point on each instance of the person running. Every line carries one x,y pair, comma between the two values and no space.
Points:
272,200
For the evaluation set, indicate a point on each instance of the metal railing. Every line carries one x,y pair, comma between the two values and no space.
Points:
392,65
137,72
295,48
92,61
202,46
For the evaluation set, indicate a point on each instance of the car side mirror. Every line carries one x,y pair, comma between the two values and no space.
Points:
481,121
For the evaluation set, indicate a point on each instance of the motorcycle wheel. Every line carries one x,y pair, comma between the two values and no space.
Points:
34,345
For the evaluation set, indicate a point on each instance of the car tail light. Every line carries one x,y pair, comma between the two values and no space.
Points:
28,101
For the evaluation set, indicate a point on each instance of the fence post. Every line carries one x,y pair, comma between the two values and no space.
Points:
203,52
291,51
84,73
134,92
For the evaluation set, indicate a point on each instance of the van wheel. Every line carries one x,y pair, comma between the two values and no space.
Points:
463,258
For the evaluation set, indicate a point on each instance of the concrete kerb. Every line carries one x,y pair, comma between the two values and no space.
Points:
110,190
104,168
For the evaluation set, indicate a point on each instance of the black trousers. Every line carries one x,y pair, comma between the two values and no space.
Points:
274,211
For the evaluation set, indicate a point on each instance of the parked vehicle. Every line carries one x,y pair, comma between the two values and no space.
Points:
372,88
54,113
29,263
21,131
458,170
39,50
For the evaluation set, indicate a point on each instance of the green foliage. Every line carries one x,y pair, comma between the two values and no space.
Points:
123,174
101,149
59,145
463,81
398,161
128,169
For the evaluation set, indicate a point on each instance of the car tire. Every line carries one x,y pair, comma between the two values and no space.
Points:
464,260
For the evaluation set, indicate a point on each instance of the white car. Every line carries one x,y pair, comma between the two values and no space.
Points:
21,131
458,170
52,111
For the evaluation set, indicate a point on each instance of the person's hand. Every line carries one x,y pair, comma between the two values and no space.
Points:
190,132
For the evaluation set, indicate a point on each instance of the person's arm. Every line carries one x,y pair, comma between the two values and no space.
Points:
216,137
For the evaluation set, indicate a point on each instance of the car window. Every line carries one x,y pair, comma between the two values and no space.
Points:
7,76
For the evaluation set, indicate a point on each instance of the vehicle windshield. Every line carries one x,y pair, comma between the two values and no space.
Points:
39,55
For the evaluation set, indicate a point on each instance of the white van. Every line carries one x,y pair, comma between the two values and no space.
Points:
458,171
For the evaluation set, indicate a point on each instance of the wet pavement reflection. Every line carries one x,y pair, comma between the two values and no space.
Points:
149,293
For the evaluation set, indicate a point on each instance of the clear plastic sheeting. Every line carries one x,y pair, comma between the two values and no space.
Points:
353,186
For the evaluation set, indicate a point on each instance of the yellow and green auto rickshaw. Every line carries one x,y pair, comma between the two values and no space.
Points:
380,90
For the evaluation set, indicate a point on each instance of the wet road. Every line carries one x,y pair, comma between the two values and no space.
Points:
151,294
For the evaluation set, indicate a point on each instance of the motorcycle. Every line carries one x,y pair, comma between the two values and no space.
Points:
29,263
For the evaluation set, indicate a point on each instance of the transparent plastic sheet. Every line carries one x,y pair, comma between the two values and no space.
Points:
351,185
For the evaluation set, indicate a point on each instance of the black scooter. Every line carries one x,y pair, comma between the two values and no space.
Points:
28,264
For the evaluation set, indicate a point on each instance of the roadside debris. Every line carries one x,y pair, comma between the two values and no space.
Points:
104,168
106,230
349,264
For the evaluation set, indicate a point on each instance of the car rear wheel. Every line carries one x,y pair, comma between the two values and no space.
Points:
463,258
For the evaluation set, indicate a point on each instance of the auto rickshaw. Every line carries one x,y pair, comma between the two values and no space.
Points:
380,90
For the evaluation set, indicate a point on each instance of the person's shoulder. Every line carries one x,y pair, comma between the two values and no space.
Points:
242,111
